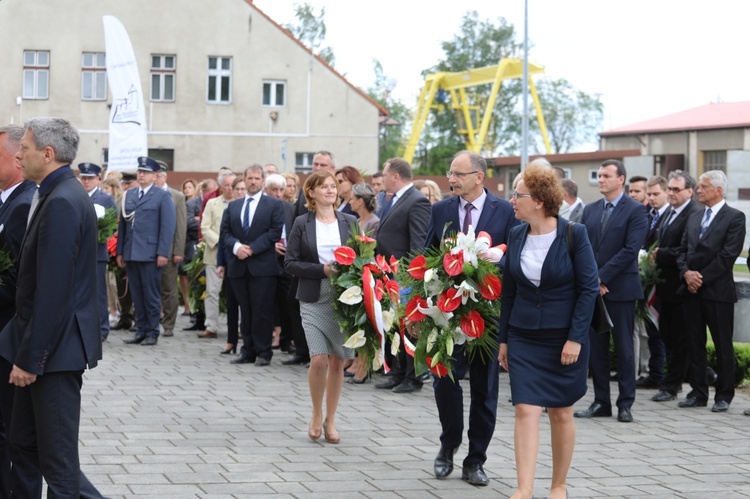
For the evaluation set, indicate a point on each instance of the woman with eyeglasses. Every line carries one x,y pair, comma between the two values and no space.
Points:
347,177
547,306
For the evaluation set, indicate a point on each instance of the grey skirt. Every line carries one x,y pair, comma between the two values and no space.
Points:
321,327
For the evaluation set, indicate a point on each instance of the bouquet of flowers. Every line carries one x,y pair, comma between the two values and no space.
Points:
650,275
107,220
367,297
197,279
453,300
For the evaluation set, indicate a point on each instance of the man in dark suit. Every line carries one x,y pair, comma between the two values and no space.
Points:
55,333
250,228
170,300
15,200
671,317
144,245
402,230
472,206
617,227
90,177
711,243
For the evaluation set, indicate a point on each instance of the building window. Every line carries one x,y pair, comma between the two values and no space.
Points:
162,78
94,76
715,160
303,162
36,74
219,80
274,93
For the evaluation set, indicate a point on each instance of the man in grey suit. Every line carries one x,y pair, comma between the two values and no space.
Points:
170,300
403,229
570,197
144,243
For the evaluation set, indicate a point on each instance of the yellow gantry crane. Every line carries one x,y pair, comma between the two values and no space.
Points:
439,84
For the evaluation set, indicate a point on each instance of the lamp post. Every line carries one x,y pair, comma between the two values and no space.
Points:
525,116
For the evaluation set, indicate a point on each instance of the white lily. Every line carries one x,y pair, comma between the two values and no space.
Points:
99,209
466,291
470,245
395,344
459,338
439,317
431,339
351,296
356,340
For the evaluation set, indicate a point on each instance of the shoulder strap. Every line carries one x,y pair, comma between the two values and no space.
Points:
570,239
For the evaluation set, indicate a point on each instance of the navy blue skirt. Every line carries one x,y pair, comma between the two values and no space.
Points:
536,375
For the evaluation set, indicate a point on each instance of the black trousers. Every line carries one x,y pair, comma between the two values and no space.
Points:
255,295
298,332
233,313
674,334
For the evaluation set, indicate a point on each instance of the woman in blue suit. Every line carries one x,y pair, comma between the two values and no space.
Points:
547,305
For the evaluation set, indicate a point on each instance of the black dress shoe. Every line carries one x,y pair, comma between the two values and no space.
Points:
646,382
746,412
475,475
595,410
133,328
624,415
663,396
294,360
720,406
197,326
407,386
134,341
121,324
243,358
444,462
149,342
692,402
288,348
262,362
388,384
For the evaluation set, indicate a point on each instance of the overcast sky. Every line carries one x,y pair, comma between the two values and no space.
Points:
644,58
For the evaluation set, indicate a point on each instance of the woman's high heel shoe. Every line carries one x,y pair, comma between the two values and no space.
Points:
331,438
232,349
359,381
314,436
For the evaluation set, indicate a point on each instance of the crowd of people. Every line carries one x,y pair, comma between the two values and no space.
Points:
266,241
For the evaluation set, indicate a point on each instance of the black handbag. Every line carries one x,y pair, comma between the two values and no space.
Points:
601,322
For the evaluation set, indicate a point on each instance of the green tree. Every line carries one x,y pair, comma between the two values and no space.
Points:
392,128
311,29
573,117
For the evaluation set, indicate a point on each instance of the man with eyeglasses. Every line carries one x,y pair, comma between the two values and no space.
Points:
473,206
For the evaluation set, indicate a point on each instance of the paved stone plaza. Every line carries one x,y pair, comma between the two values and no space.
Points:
177,420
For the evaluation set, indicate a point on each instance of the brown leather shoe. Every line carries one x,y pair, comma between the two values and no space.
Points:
207,334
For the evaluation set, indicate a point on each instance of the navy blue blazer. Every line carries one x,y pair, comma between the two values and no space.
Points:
103,199
497,219
265,230
616,250
56,327
302,259
567,291
151,232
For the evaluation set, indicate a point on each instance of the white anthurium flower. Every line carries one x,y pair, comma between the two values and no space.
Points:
467,291
435,360
351,296
395,344
356,340
99,209
389,316
459,338
377,361
431,339
432,286
470,246
428,275
449,345
439,317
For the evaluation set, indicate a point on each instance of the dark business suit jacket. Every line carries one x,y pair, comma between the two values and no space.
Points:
670,238
567,291
264,231
302,258
653,235
57,323
192,215
616,250
714,254
108,202
13,215
576,213
404,228
497,220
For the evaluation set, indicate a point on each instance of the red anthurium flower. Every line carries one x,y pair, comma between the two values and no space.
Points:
112,245
412,312
378,290
345,255
365,239
380,260
491,287
472,324
453,264
373,268
449,301
439,369
393,290
394,264
418,267
483,234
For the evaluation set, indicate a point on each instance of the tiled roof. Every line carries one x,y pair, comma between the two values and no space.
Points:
383,111
714,115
